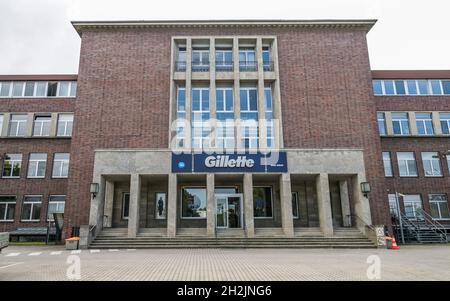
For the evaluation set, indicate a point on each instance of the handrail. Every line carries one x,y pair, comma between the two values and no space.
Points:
436,225
364,222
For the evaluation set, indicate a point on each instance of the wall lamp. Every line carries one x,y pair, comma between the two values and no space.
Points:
365,188
94,189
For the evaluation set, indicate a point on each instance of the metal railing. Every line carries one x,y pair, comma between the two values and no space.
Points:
196,67
433,224
350,221
248,66
180,66
268,66
222,66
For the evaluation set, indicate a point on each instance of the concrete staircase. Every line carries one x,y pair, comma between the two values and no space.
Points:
264,238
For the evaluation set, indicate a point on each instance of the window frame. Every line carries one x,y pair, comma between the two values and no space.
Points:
383,120
62,166
181,202
416,216
3,219
122,211
49,121
407,166
425,122
66,123
297,214
35,176
58,202
401,121
271,202
440,218
389,163
444,120
433,175
24,202
18,126
12,166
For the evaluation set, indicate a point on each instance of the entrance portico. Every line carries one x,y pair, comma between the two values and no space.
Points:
314,193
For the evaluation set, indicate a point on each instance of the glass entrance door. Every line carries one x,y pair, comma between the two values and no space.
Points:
229,210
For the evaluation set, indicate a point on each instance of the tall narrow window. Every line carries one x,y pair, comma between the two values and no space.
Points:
407,164
424,123
400,123
262,202
387,164
56,204
1,124
181,116
37,165
125,205
445,123
52,88
65,125
42,125
381,123
267,64
446,87
439,206
31,209
73,89
448,163
295,207
268,109
12,163
200,118
18,125
247,59
431,164
393,208
225,118
249,117
61,165
7,208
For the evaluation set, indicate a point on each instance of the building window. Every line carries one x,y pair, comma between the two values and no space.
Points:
200,118
41,89
295,210
411,87
381,123
66,89
193,202
247,59
31,209
11,165
5,89
225,118
249,117
268,110
431,164
424,123
413,206
400,123
18,89
1,124
387,164
18,125
61,165
406,164
377,87
125,205
393,209
200,60
37,165
42,125
65,125
448,163
262,201
56,204
7,208
439,206
445,123
52,88
181,116
267,64
224,59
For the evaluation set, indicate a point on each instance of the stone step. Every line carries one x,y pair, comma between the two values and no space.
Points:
241,246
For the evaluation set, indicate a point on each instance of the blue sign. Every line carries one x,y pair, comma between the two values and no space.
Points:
236,162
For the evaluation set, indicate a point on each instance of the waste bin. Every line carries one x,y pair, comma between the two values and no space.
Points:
72,243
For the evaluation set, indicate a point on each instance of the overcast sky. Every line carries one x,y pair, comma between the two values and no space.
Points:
36,35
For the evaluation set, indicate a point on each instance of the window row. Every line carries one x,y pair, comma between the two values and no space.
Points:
412,204
37,165
423,121
225,116
42,123
224,59
38,88
411,87
31,207
407,166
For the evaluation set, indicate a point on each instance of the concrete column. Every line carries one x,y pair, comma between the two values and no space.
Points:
412,124
361,203
345,203
278,129
188,96
287,221
6,118
172,206
236,96
436,123
30,124
324,204
262,129
54,125
109,203
248,205
210,207
388,120
133,217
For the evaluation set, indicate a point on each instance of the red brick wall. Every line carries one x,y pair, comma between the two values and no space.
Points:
123,97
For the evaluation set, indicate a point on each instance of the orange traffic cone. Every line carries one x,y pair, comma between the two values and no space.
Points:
394,244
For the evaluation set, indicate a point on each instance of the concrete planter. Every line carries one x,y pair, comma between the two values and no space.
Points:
72,243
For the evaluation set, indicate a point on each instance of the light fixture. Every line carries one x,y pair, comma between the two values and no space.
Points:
365,188
94,189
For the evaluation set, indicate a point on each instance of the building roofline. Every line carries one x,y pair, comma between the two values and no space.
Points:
410,74
320,23
37,77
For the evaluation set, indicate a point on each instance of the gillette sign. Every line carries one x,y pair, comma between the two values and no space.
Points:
240,162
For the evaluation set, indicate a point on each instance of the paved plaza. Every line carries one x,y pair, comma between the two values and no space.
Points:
53,263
